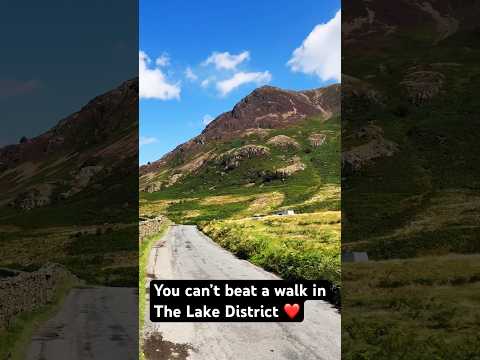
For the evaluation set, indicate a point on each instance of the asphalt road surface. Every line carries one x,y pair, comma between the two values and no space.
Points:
185,253
95,323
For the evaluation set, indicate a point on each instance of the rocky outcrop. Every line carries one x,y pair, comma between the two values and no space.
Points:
35,197
152,187
375,147
295,165
284,142
29,291
231,159
317,140
422,85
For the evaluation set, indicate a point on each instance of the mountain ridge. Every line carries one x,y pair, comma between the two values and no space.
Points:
85,150
266,107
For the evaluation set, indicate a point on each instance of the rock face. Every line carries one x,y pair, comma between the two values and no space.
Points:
232,158
269,107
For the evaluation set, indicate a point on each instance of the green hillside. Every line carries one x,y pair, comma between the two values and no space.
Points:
255,178
223,202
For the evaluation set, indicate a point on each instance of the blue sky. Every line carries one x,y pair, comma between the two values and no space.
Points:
198,58
59,54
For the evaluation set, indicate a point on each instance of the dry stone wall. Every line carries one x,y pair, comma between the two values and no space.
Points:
29,291
151,227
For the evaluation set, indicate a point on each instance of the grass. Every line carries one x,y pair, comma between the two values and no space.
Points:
304,246
14,340
99,255
145,248
423,308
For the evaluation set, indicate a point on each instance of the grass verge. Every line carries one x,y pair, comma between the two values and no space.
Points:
145,249
303,246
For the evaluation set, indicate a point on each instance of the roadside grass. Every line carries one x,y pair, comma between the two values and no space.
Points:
144,249
15,338
303,246
397,309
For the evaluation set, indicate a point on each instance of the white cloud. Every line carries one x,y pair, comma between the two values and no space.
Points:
146,140
207,81
190,75
207,119
226,60
320,52
163,60
153,83
240,78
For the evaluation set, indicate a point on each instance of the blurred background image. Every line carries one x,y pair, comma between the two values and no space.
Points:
68,174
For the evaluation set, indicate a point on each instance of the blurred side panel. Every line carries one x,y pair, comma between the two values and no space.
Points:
69,179
410,186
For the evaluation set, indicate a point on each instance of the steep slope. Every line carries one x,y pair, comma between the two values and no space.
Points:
69,196
84,155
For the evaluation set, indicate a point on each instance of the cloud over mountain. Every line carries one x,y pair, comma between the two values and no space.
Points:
320,52
240,78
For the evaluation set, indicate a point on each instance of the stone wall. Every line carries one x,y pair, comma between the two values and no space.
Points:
29,291
151,227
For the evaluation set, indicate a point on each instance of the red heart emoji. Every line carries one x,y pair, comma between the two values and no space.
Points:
291,310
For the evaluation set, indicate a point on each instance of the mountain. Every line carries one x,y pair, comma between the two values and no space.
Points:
85,159
270,135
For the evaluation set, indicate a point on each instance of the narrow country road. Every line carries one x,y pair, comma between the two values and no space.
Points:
185,253
94,323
